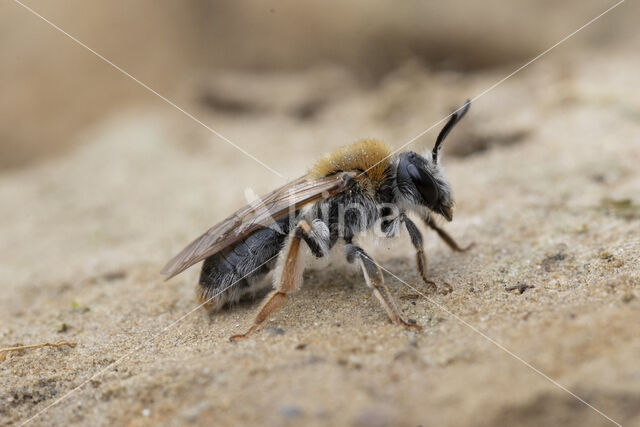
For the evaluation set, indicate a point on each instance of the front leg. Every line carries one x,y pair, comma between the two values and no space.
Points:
373,277
445,236
421,259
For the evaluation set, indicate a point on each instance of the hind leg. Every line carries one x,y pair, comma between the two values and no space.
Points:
288,274
373,277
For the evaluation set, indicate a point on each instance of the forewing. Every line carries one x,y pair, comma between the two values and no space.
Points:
290,197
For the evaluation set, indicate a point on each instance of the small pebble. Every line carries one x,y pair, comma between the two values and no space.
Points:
314,359
290,411
114,275
274,331
146,412
372,418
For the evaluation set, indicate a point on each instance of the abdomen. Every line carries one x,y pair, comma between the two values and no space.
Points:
237,271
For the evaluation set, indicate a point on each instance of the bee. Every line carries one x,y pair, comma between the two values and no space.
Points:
355,188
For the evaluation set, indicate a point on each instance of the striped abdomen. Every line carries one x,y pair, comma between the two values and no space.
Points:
231,274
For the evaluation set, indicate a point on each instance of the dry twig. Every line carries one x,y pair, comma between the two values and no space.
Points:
5,351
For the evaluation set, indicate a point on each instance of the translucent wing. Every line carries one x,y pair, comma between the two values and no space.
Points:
263,212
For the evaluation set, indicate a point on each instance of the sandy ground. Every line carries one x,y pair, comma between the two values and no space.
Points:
545,172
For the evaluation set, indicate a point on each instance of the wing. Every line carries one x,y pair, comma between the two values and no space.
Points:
290,197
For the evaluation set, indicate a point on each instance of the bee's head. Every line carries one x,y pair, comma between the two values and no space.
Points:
421,180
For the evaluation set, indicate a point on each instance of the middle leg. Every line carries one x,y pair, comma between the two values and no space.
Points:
373,277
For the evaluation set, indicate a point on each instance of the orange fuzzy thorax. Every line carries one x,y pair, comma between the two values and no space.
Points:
368,155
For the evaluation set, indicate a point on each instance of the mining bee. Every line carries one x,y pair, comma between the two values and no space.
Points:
359,187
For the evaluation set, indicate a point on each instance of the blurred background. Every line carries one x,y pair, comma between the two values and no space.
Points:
52,88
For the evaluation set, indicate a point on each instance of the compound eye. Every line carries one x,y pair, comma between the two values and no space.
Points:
424,183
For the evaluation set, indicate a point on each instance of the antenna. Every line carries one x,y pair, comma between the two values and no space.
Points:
455,118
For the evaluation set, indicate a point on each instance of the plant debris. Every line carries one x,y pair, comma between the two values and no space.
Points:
628,297
520,287
607,256
409,297
75,306
5,351
622,208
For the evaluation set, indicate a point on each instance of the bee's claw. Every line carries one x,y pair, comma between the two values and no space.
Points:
234,338
469,246
445,289
432,286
